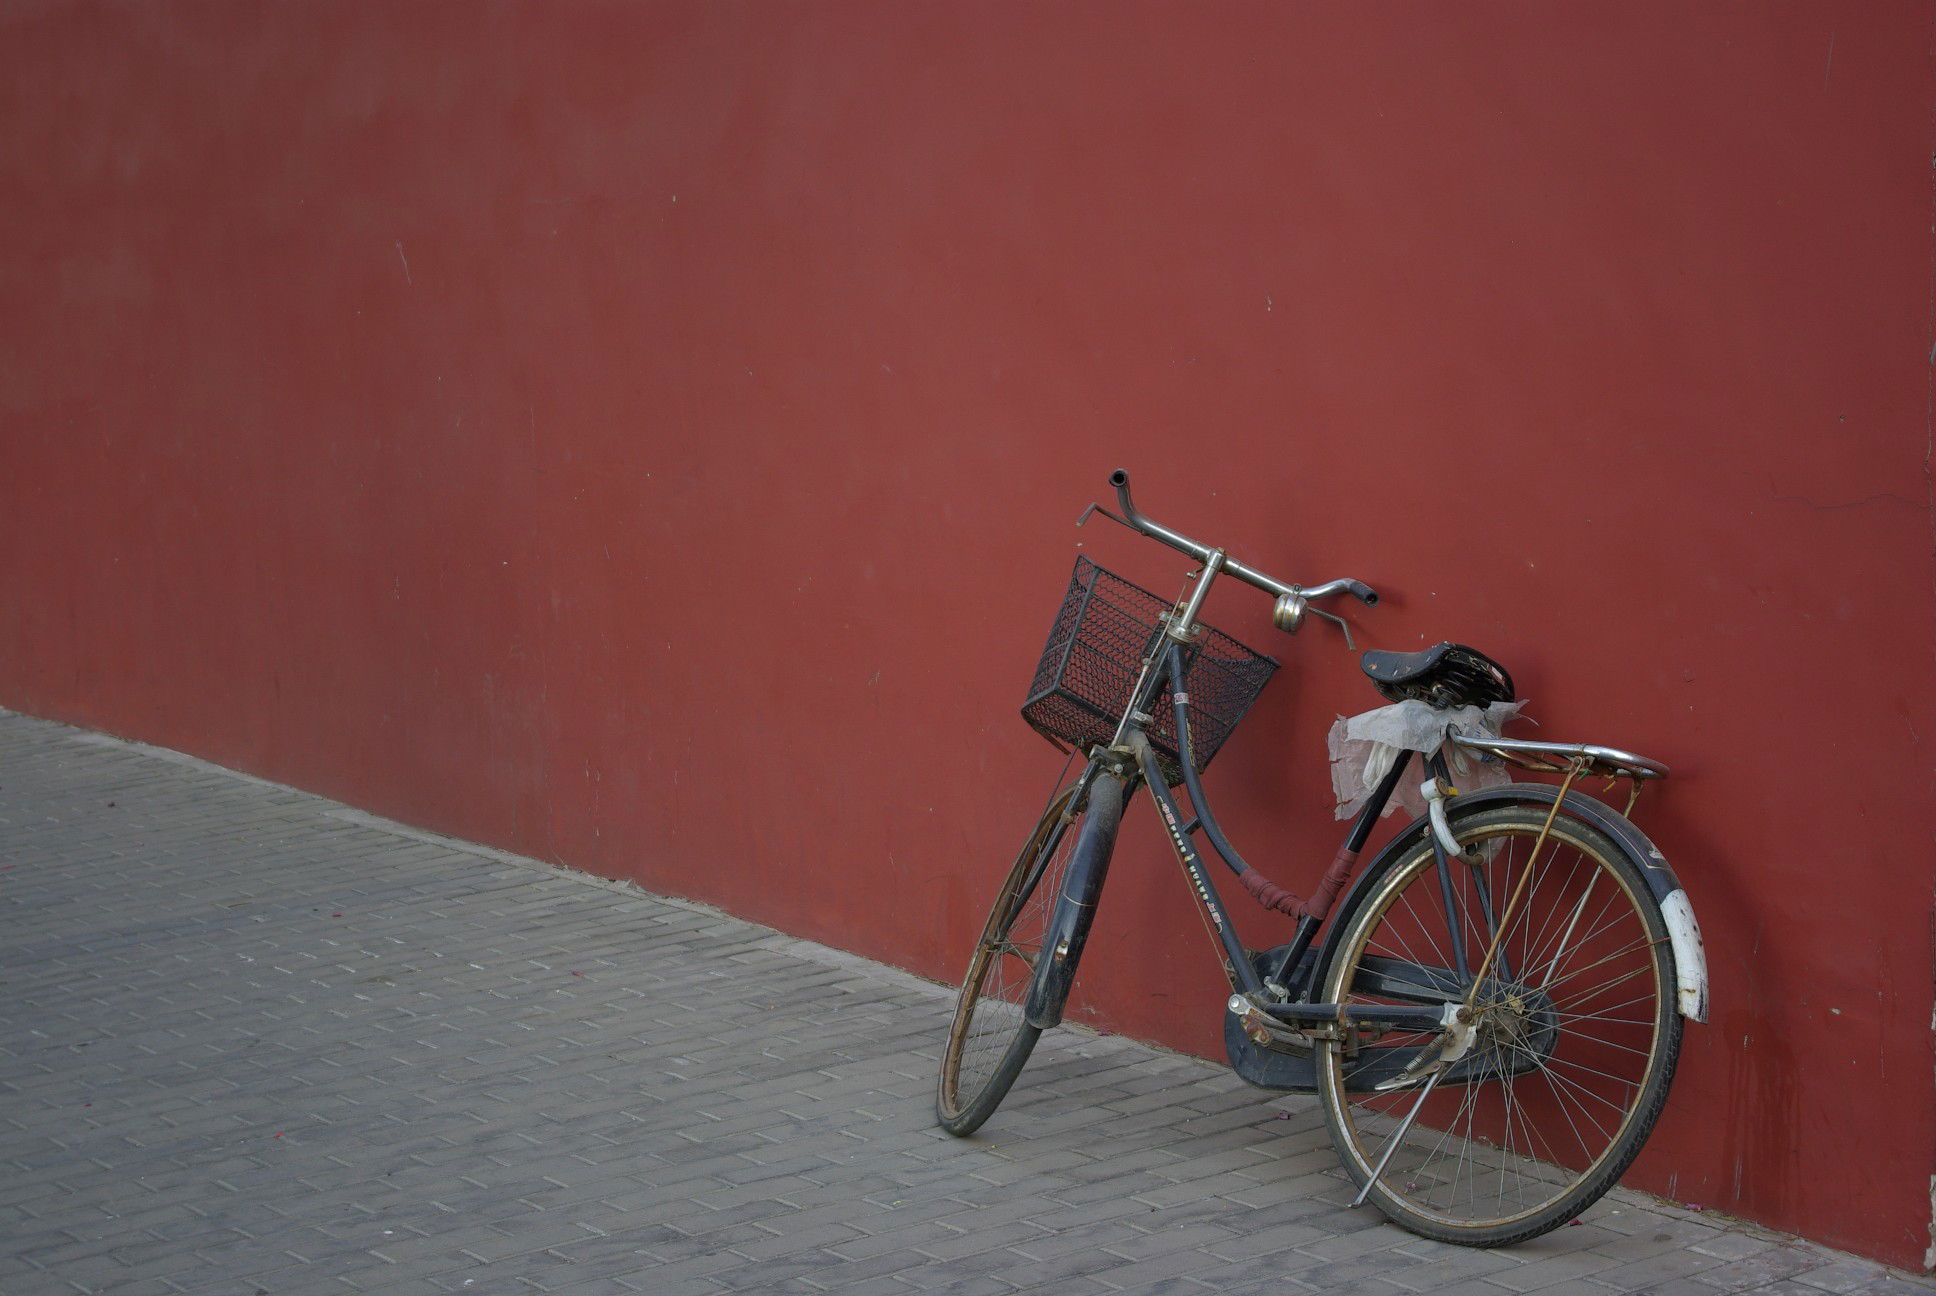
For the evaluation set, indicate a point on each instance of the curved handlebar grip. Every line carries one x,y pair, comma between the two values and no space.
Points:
1364,593
1120,480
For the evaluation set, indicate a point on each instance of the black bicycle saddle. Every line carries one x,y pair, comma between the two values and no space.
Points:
1444,675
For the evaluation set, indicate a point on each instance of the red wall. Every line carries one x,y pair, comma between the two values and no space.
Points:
647,437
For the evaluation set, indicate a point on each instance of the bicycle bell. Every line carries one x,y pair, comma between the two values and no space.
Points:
1288,612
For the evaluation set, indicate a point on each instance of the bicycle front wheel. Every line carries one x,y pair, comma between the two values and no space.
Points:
1573,1031
990,1041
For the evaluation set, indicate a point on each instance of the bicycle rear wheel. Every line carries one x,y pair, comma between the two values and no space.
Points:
1574,1030
990,1040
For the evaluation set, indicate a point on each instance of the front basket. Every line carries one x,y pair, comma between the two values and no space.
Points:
1103,631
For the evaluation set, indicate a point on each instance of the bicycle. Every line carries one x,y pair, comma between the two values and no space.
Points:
1491,1020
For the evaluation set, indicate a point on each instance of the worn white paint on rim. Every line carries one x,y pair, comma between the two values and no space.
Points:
1690,956
1929,1256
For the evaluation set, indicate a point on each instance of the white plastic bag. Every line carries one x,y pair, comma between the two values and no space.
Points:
1364,746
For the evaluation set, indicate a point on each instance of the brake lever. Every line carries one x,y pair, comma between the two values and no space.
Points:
1340,622
1097,508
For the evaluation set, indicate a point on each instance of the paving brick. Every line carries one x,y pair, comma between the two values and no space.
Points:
1090,1240
846,1273
1148,1281
1051,1271
1841,1276
909,1238
1548,1271
956,1285
1761,1268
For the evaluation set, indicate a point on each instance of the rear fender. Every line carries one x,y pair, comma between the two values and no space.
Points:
1690,958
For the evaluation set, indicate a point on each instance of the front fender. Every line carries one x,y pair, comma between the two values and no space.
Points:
1075,907
1684,933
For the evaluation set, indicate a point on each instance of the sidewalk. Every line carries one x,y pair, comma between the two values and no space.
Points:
256,1042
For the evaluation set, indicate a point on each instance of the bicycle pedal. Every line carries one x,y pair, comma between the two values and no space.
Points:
1265,1031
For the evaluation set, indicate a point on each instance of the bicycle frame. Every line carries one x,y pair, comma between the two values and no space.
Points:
1130,760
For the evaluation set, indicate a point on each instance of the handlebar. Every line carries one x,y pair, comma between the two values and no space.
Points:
1136,521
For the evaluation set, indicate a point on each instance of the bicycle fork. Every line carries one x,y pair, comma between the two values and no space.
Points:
1075,908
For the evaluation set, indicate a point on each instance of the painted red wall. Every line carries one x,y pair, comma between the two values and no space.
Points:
647,437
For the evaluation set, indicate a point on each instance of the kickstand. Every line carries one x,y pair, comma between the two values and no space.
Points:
1391,1145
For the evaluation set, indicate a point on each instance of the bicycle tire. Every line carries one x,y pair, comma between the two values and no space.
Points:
989,1040
1575,1037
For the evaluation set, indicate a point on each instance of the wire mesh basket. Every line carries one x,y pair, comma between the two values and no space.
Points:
1103,631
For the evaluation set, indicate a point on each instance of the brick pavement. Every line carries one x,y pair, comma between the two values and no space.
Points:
253,1042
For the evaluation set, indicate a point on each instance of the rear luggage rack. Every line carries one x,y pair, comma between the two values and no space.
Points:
1562,758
